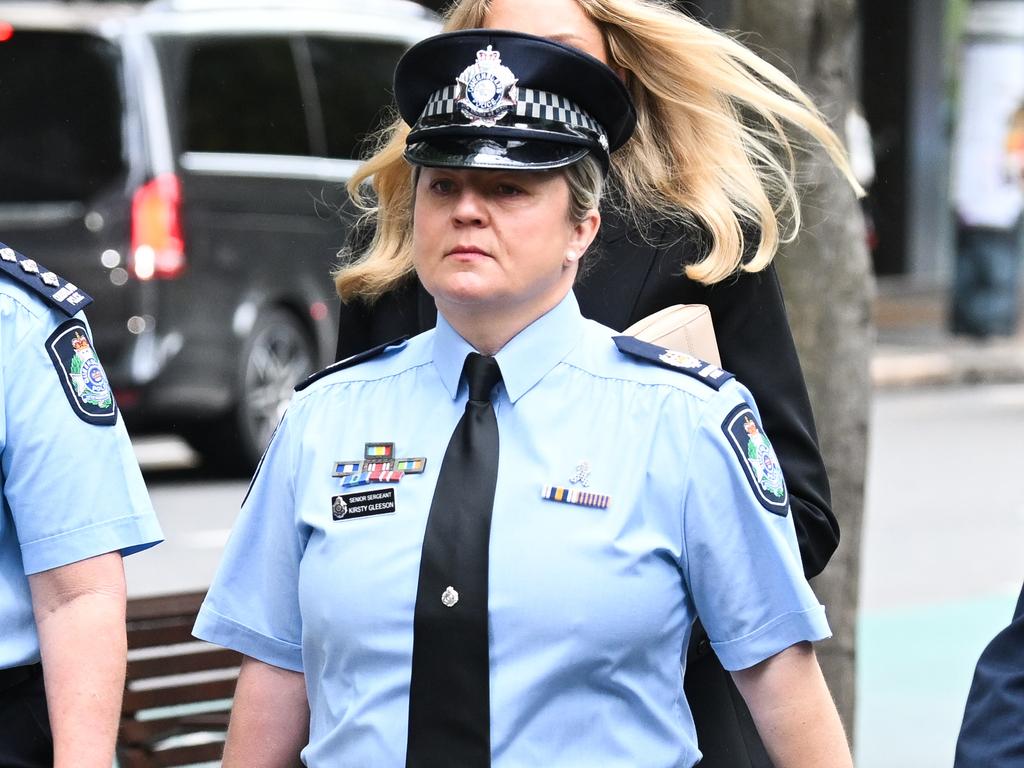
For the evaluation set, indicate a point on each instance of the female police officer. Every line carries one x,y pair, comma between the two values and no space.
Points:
505,572
699,207
698,214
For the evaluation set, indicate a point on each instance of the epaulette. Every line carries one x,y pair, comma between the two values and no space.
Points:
54,289
348,362
683,362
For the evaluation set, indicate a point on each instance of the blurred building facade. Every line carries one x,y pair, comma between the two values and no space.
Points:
909,55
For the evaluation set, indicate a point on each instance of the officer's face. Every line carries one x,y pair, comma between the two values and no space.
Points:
496,241
561,20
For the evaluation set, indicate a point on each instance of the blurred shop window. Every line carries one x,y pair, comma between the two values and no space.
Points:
60,136
354,82
243,96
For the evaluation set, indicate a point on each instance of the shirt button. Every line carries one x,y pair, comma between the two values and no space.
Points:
450,597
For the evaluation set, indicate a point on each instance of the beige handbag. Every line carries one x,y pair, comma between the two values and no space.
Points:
682,328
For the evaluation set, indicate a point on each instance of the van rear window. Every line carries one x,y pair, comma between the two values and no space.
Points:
242,95
62,105
354,85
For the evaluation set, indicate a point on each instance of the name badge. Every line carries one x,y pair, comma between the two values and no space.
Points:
351,506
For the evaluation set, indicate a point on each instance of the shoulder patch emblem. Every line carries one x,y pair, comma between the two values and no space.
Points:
757,456
56,291
81,375
683,362
348,362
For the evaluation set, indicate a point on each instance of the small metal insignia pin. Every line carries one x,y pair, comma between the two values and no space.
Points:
29,266
450,597
8,254
50,279
582,474
680,359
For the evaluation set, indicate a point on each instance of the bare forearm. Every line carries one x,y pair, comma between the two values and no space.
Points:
79,612
794,712
269,718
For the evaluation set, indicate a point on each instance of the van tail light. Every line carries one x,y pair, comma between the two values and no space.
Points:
158,251
6,31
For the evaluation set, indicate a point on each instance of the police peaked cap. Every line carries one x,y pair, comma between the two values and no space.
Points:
485,98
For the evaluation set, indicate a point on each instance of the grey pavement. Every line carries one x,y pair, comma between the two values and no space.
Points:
914,347
943,524
940,562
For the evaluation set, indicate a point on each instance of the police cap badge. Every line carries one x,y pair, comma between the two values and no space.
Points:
485,98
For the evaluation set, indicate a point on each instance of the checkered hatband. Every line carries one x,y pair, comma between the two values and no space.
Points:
541,106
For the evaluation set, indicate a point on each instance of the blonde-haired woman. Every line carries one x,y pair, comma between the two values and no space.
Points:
700,199
521,593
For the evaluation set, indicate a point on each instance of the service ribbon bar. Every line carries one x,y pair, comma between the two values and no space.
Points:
346,468
380,450
413,466
573,496
365,478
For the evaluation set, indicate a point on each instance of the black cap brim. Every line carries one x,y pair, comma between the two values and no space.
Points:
494,154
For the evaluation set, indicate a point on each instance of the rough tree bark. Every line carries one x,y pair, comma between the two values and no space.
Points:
829,285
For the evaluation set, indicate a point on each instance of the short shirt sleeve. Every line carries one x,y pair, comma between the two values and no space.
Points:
253,603
742,562
70,478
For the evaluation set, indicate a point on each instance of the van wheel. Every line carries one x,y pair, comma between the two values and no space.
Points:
275,357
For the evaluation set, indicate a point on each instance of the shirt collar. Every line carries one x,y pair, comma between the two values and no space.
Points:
527,357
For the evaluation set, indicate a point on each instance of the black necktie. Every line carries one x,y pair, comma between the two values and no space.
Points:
449,698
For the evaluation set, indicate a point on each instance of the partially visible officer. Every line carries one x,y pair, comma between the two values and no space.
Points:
74,503
992,734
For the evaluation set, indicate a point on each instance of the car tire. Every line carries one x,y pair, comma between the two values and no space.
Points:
277,354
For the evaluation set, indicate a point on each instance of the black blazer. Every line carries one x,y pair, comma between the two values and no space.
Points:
992,734
627,279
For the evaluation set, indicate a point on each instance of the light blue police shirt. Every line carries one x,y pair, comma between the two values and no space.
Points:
590,608
71,489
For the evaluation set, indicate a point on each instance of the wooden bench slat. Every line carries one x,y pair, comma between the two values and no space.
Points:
162,606
133,757
197,753
144,732
178,664
156,636
177,694
161,629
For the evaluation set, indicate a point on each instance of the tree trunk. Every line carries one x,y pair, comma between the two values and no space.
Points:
829,285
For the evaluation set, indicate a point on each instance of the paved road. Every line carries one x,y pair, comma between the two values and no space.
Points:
942,555
942,563
196,512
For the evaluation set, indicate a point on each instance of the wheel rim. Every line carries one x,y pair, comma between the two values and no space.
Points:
278,359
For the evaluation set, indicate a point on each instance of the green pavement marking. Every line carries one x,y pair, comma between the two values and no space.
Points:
914,669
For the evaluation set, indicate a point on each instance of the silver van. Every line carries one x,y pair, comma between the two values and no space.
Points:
184,163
